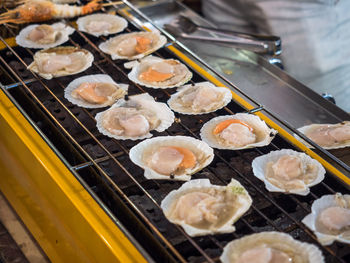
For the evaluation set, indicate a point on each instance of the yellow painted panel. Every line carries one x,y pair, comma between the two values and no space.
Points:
10,41
64,219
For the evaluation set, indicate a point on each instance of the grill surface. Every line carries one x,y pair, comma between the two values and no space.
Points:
104,165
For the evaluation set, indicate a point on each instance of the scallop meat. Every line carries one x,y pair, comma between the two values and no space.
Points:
101,24
61,61
236,132
270,247
171,157
134,118
95,91
330,219
288,171
134,45
200,98
201,208
328,136
158,73
44,36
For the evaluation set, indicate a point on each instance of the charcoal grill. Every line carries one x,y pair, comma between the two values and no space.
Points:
128,224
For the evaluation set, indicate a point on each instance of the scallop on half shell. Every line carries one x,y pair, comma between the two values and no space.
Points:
201,208
95,91
330,219
171,157
201,98
134,45
101,24
157,73
134,118
61,61
288,171
328,136
44,36
270,247
236,132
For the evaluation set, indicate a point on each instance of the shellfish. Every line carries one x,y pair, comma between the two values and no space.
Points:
134,45
44,36
328,136
270,247
158,73
101,24
201,208
61,61
200,98
135,118
171,157
288,171
238,131
94,91
330,219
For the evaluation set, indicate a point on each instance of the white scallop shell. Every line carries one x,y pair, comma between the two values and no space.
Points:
103,78
196,146
64,29
310,127
178,107
261,130
160,42
89,58
165,115
321,204
243,200
119,23
260,163
136,66
310,253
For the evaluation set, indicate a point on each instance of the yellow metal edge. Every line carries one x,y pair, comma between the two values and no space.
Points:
270,122
11,41
65,220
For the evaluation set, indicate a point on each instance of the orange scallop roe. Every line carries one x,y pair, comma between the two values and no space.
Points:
152,75
224,124
143,44
87,91
189,160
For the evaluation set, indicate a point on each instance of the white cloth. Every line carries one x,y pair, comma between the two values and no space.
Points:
315,35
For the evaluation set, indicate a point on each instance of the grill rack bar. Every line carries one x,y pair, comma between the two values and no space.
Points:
125,150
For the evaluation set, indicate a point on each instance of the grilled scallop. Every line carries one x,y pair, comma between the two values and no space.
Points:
135,118
171,157
329,136
95,91
44,36
134,45
330,219
235,132
201,208
158,73
101,24
200,98
288,171
61,61
270,247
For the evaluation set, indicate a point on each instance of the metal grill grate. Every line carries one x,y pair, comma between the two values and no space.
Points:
117,179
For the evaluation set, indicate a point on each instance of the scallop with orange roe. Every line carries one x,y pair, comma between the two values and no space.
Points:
134,45
95,91
239,131
158,73
171,157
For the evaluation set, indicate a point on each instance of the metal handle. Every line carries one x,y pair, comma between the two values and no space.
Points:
239,42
